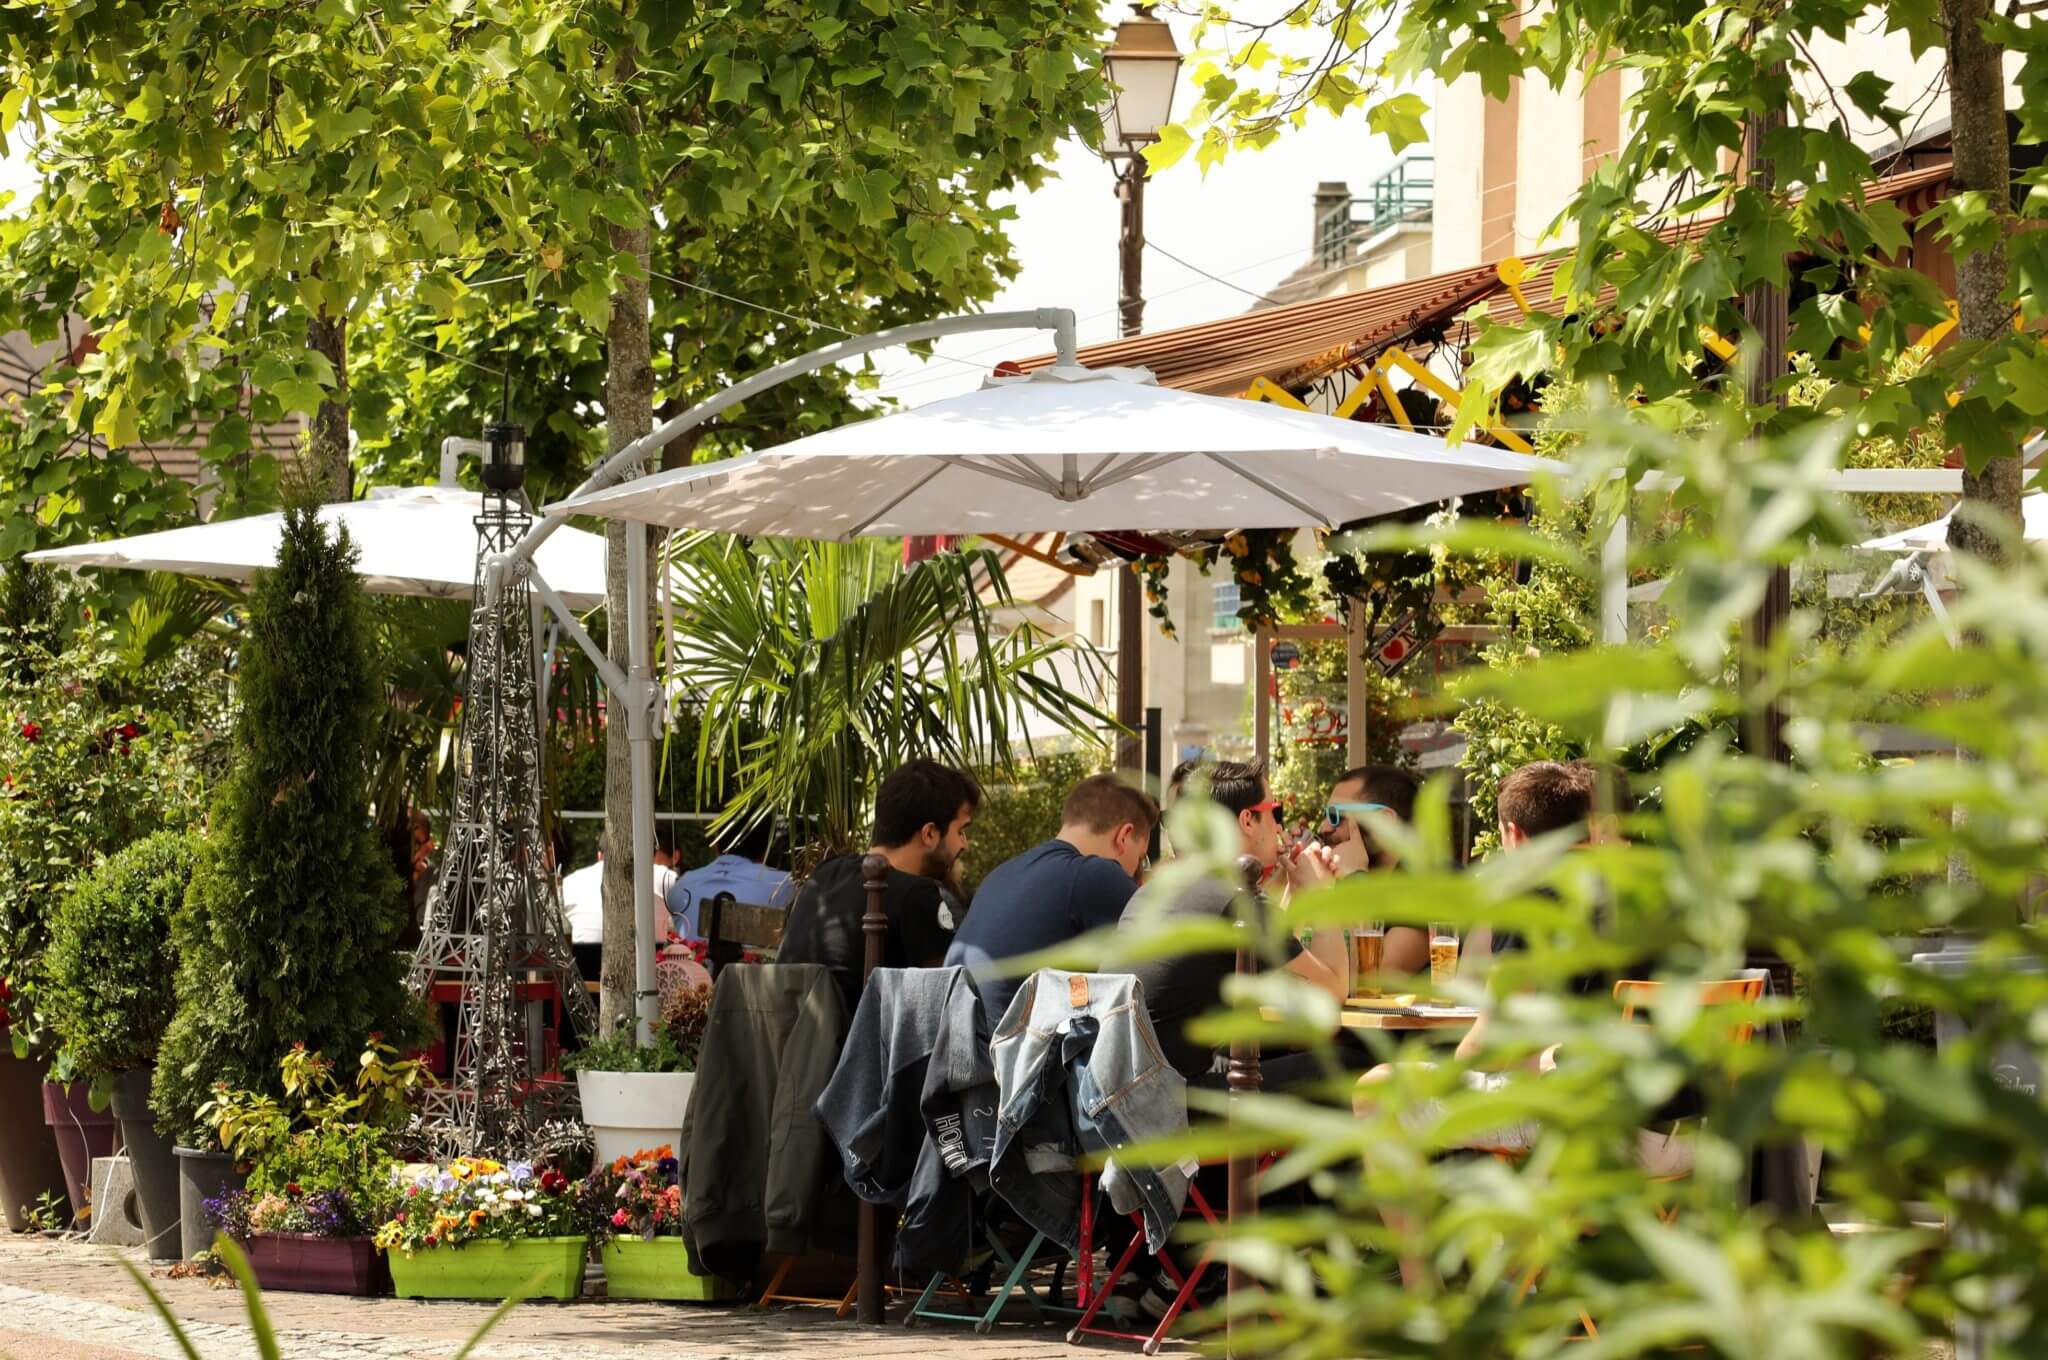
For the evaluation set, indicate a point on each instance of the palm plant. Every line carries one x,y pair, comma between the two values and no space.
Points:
820,667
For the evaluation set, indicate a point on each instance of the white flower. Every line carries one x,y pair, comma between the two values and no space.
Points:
533,1210
513,1196
500,1177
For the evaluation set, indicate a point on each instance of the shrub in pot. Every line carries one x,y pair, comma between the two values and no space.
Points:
322,1169
482,1229
109,993
635,1209
634,1096
288,931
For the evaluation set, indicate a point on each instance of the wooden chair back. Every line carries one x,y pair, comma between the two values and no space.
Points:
1632,992
732,927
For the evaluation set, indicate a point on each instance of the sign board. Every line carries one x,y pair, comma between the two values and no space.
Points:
1286,654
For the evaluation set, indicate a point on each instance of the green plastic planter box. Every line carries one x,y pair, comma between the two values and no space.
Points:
493,1270
636,1268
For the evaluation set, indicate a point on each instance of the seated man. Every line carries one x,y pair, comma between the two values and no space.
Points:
1537,799
922,814
1373,788
1180,988
1056,891
740,871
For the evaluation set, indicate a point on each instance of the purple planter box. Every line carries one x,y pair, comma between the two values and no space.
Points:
318,1265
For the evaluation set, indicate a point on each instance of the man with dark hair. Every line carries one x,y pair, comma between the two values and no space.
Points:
1541,797
741,870
922,814
1053,892
1179,988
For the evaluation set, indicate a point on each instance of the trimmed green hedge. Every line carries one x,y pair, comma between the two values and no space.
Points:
111,971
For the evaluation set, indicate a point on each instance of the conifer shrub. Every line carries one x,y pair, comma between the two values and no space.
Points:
288,933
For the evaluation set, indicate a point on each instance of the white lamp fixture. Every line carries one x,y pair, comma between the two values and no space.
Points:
1142,64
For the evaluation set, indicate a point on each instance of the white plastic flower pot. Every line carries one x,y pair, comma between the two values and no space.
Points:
628,1111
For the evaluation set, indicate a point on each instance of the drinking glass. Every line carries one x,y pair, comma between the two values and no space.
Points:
1443,955
1368,947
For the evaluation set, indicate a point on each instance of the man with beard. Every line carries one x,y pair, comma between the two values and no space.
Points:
921,819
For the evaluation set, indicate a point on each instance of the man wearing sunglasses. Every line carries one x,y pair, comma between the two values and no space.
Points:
1358,792
1179,988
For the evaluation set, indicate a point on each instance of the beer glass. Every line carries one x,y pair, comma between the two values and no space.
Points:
1443,955
1368,947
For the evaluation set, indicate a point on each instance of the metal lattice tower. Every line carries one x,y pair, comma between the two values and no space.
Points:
494,924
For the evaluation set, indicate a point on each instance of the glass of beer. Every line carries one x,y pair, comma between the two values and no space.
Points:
1368,946
1443,954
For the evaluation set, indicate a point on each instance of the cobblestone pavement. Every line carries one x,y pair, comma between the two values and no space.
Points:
72,1301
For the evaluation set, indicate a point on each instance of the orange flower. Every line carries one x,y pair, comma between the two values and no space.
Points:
476,1218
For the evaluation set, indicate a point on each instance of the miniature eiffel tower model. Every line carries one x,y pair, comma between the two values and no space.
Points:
494,927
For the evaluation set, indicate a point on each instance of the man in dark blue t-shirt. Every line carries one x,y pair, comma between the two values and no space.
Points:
1055,891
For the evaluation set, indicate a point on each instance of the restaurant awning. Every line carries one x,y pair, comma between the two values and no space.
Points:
1297,344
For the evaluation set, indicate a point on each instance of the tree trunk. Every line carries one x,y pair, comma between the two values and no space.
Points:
327,469
629,414
1983,161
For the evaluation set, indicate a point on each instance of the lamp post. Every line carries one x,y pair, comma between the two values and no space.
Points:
1142,66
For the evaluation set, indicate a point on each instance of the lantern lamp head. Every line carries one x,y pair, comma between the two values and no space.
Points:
505,461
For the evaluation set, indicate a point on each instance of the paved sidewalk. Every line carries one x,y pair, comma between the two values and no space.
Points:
72,1301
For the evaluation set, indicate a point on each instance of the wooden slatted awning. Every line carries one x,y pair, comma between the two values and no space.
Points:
1297,344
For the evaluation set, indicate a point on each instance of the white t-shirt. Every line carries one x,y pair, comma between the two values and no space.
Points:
583,901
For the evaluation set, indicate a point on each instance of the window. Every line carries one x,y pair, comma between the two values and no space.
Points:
1224,614
1098,622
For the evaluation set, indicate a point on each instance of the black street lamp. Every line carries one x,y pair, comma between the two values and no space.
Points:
1142,66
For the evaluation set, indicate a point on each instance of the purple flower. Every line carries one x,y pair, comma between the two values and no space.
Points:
229,1212
521,1172
667,1166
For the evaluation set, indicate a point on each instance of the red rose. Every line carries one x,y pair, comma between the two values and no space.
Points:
128,731
30,731
291,1188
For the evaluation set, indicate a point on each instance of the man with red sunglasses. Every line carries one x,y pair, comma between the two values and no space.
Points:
1179,988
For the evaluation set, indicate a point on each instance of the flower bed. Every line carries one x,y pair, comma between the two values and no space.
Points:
484,1229
636,1203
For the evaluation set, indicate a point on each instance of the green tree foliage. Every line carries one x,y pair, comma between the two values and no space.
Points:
1627,309
1020,808
287,933
113,963
823,666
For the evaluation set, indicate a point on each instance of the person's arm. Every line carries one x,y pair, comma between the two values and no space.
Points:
1309,968
1406,950
1326,946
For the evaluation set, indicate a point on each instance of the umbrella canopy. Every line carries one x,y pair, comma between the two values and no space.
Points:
1933,535
1067,449
416,540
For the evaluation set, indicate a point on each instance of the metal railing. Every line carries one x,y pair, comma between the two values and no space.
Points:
1405,193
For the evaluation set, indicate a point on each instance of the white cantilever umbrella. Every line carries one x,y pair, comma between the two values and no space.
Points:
1933,536
418,540
1067,448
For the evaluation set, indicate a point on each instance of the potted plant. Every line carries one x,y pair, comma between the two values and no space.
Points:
108,994
321,1176
635,1207
312,1241
635,1096
82,1132
93,763
481,1229
289,930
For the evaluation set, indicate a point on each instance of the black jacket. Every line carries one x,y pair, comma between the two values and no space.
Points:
912,1109
757,1167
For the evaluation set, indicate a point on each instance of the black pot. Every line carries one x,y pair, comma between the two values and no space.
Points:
83,1133
201,1176
28,1154
151,1162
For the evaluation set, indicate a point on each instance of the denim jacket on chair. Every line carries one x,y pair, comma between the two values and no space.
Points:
1079,1070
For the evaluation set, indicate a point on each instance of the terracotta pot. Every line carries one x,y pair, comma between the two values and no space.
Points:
83,1133
149,1157
29,1164
318,1265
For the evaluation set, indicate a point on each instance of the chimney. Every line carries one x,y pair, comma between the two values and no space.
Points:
1332,221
